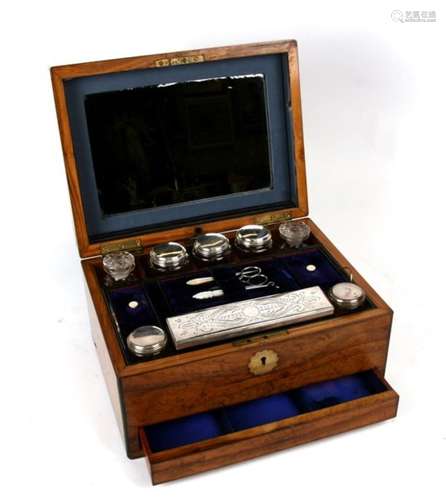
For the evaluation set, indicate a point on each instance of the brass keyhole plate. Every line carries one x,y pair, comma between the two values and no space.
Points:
263,362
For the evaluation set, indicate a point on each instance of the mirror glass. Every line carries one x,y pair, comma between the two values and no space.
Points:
178,142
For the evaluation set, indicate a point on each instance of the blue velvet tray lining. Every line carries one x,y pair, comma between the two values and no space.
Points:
289,272
127,318
170,296
202,426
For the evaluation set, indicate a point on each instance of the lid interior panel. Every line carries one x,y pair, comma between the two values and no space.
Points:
159,148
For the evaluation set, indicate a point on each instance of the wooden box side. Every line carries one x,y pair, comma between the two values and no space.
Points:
112,382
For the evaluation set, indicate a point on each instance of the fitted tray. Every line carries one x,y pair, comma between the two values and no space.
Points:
165,299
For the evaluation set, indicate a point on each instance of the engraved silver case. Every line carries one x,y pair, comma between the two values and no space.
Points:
248,316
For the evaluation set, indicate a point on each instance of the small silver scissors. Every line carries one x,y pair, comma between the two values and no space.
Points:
253,278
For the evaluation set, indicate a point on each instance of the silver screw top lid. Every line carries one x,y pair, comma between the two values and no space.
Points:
211,246
254,238
347,295
168,256
147,340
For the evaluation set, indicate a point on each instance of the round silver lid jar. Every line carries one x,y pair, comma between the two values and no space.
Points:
347,295
211,246
147,340
254,238
168,256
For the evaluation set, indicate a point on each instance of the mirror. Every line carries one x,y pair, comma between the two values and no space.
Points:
178,142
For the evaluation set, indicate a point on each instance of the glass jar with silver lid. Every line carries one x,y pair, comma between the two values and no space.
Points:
211,246
147,340
168,256
294,232
254,238
118,265
347,295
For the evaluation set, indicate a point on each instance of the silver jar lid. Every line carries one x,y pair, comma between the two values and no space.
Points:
147,340
347,295
118,265
211,246
168,256
254,238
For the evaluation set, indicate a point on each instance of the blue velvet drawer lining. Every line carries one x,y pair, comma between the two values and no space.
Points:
202,426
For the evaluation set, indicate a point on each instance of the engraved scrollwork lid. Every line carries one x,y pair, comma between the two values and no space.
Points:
248,315
164,147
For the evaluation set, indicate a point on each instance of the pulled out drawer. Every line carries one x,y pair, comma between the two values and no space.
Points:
205,441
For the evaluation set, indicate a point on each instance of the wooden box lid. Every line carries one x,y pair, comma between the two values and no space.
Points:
167,146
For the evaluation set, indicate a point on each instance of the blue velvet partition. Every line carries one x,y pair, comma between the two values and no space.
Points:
170,295
289,273
179,295
194,428
325,275
261,411
272,268
187,430
325,394
127,318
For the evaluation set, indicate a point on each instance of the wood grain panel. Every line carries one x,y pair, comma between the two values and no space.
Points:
111,380
324,354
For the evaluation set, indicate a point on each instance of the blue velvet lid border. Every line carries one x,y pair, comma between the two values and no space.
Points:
283,193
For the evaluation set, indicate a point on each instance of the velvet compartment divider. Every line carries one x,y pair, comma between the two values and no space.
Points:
208,425
288,273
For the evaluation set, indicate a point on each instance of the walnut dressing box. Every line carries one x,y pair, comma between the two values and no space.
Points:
167,147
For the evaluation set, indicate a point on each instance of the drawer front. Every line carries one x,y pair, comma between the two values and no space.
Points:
252,370
243,445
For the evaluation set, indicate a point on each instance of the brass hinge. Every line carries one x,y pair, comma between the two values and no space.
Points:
273,218
176,61
117,246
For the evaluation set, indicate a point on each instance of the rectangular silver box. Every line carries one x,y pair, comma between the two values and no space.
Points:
248,316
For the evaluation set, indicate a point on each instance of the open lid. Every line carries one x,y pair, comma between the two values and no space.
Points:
166,146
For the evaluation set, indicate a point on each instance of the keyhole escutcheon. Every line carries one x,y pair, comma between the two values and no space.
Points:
263,362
